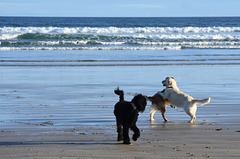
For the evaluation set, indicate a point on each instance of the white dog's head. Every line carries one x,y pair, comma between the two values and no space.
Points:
169,82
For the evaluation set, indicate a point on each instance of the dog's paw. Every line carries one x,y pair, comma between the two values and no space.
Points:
127,142
135,137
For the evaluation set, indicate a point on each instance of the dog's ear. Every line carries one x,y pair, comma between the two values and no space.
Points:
172,77
163,91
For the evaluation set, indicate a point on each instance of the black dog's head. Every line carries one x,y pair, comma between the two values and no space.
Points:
140,101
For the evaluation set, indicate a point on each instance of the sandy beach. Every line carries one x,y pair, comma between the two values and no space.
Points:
67,112
168,141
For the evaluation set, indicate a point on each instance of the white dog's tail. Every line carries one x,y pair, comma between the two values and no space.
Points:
201,101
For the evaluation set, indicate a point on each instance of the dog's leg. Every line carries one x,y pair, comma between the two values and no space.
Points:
120,132
191,111
193,118
163,115
126,139
136,131
163,110
153,111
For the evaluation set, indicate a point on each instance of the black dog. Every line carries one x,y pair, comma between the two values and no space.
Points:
127,114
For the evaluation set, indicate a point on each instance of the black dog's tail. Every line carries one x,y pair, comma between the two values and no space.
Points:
120,93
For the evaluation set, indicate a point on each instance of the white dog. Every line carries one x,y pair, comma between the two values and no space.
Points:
180,99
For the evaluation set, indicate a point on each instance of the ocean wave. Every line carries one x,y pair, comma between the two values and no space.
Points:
58,43
117,38
189,44
122,37
189,36
125,48
114,30
92,48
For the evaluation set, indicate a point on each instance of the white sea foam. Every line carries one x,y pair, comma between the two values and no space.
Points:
62,43
77,42
190,44
8,36
167,47
111,30
155,36
92,48
124,48
182,43
216,47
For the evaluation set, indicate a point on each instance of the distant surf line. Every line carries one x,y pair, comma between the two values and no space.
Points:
80,61
122,65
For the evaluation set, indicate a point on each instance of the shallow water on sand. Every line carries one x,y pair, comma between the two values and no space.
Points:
120,57
68,97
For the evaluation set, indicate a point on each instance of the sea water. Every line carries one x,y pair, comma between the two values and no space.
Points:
119,41
64,70
19,33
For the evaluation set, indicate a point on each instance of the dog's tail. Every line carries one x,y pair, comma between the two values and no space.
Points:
150,98
120,93
201,101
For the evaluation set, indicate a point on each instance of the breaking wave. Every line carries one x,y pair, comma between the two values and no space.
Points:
114,30
118,38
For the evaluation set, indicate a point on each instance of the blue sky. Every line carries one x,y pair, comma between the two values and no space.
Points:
120,8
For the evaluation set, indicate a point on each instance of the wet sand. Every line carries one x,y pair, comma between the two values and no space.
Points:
171,141
67,112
